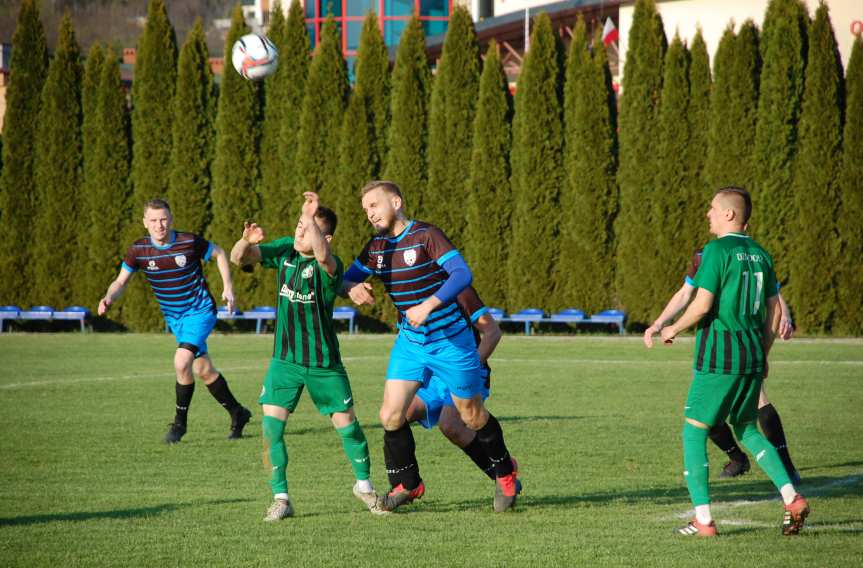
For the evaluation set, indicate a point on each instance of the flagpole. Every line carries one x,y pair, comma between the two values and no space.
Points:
526,29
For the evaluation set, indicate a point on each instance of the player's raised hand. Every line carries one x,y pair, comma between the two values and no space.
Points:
104,304
648,335
310,207
362,294
253,233
668,334
228,298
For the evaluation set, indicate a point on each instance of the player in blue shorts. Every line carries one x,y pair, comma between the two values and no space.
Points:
172,262
423,274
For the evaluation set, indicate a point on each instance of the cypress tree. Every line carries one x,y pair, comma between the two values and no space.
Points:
674,180
408,134
57,172
850,277
577,60
109,188
152,121
235,164
321,118
272,166
779,104
814,243
734,109
280,204
17,187
193,135
89,126
694,229
635,226
589,204
537,170
489,198
451,119
373,81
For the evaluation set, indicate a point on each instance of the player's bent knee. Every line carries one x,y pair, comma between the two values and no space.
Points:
391,419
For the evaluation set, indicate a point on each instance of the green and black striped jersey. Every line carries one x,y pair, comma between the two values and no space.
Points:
740,275
304,322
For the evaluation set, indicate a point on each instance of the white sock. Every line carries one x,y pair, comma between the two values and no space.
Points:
702,514
788,493
365,485
282,496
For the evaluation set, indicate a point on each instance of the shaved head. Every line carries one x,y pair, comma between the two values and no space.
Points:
738,200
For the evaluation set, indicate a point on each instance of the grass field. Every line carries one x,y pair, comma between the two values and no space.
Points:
594,422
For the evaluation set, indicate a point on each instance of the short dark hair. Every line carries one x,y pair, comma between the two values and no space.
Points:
157,204
388,186
747,199
328,216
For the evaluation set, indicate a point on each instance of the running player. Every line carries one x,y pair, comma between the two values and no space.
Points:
172,262
768,417
423,274
305,347
736,309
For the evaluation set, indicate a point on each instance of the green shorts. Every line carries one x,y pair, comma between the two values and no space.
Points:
329,388
714,397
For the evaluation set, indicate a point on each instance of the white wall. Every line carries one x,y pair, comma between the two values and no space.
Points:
684,16
502,7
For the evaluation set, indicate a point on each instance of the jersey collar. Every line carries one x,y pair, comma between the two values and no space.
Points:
163,247
403,234
735,234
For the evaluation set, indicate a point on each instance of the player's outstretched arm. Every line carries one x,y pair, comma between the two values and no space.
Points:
320,245
490,334
677,302
115,290
699,308
225,272
245,252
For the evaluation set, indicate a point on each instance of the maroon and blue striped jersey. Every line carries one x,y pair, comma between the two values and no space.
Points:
175,272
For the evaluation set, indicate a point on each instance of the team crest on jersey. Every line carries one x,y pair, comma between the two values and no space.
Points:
380,261
410,257
308,271
152,265
181,260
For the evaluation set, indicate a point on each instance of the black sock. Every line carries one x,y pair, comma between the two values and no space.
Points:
400,457
184,399
723,438
771,426
220,391
490,437
476,452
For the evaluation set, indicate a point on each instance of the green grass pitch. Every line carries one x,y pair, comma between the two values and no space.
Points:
595,423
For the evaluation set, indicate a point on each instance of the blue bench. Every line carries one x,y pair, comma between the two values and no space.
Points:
260,314
44,313
530,316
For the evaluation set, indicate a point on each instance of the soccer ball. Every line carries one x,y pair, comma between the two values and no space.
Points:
254,57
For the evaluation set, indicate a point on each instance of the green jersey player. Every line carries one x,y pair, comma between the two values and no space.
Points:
305,348
737,312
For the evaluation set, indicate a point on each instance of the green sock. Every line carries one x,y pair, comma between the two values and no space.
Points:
274,432
695,462
765,454
356,448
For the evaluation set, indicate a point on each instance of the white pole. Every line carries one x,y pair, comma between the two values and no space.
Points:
526,29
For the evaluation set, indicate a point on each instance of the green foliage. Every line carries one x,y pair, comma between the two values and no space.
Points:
577,61
272,190
321,119
279,211
537,172
193,135
675,178
90,123
814,241
152,121
408,135
489,197
17,187
635,227
373,81
57,172
850,270
734,109
235,165
694,229
108,188
453,107
779,103
589,197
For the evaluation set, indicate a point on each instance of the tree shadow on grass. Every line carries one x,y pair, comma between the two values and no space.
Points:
327,427
831,466
114,514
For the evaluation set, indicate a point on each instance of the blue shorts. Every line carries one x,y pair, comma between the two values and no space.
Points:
193,329
454,362
435,395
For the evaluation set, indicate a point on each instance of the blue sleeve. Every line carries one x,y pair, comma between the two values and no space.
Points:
209,253
460,277
357,273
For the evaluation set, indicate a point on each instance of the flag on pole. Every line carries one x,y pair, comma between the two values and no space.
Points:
609,33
